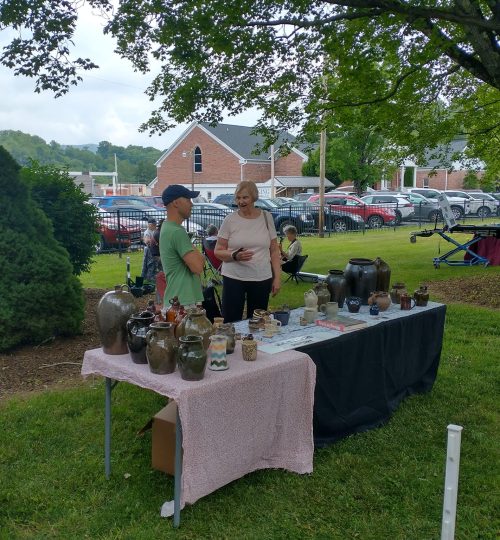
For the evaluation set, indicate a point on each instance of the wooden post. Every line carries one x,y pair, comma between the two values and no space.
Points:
322,158
451,482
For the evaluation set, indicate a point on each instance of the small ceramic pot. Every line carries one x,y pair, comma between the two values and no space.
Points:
310,314
249,350
374,310
137,328
161,350
229,332
353,303
282,316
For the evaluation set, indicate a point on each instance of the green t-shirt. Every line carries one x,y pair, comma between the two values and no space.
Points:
181,282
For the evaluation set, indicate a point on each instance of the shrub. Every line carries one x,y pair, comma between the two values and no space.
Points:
65,204
39,295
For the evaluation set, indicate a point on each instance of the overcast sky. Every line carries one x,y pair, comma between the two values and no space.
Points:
109,105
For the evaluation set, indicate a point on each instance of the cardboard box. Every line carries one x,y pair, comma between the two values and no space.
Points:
163,439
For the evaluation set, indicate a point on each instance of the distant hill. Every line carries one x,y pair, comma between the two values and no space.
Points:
136,164
89,147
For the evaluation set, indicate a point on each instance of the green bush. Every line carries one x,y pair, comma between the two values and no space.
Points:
65,204
39,295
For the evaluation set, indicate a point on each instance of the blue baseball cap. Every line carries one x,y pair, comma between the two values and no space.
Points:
175,191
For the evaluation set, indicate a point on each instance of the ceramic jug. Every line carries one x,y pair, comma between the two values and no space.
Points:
113,312
397,290
161,349
382,299
361,278
383,275
322,292
137,327
173,310
216,354
407,302
421,296
335,281
311,299
196,323
191,357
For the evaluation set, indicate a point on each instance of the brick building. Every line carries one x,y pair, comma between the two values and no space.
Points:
431,174
215,159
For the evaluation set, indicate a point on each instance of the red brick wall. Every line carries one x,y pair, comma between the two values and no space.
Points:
219,165
290,165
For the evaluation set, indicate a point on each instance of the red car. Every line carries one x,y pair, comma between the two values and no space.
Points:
373,215
130,233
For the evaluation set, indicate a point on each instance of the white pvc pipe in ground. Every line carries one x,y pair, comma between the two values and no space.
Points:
451,482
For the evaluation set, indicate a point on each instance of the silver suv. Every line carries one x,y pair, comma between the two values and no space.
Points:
459,206
483,207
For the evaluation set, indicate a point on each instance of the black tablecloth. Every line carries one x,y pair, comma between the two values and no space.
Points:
362,376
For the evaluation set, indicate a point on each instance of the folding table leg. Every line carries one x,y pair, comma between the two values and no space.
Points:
110,384
178,470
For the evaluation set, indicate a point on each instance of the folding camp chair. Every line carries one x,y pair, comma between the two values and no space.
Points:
213,265
293,268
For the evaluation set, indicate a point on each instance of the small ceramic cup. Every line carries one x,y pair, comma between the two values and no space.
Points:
249,350
217,358
310,315
330,309
271,328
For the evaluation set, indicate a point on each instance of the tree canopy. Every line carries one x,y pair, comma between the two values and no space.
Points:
295,60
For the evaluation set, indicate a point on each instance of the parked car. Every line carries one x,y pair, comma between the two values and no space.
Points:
304,221
490,201
209,213
373,215
459,206
424,208
154,200
302,196
478,205
113,235
401,205
131,207
333,220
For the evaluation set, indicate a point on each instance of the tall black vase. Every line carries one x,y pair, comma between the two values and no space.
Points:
361,278
336,283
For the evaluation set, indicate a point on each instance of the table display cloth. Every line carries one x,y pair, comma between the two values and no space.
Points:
255,415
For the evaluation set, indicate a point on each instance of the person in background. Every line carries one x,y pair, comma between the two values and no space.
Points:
211,236
294,247
147,260
250,256
181,261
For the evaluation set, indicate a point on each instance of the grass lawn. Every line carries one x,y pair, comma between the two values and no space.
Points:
383,484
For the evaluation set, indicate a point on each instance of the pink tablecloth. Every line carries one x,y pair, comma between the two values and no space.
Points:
256,415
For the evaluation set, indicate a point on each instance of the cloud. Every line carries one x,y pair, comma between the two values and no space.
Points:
109,104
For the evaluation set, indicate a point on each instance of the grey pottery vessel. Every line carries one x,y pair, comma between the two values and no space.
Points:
113,312
161,350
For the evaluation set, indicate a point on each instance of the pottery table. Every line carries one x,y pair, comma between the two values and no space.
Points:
255,415
363,375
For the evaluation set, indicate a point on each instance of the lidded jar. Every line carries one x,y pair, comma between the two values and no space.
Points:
397,290
114,310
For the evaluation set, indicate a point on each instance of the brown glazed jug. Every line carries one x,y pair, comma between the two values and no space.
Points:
397,290
335,281
161,350
381,299
361,278
114,310
196,323
383,275
323,294
137,327
421,296
191,357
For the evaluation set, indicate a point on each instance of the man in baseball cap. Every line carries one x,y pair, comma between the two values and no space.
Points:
175,191
182,262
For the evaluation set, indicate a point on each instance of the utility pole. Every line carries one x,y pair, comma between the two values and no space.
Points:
273,187
322,152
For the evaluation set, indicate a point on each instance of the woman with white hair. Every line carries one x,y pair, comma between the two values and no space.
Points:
294,248
250,255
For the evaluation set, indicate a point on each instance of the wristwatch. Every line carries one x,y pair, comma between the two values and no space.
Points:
234,254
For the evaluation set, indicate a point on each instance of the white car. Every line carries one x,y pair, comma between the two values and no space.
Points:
479,205
402,206
459,206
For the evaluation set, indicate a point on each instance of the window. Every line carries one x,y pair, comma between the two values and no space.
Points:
197,160
426,182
